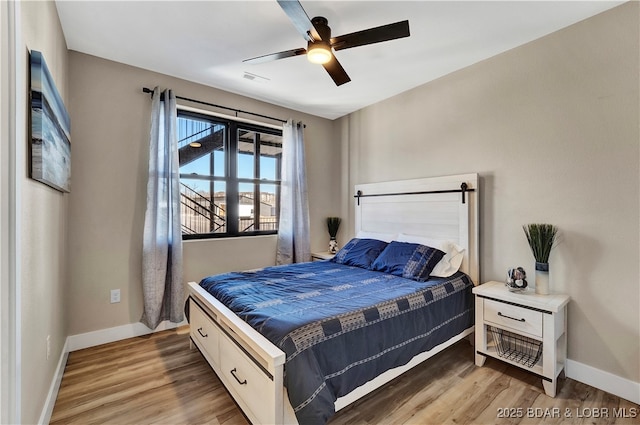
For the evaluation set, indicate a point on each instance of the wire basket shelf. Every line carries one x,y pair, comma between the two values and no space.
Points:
517,348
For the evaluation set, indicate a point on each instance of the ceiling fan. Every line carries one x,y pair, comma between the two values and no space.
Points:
320,43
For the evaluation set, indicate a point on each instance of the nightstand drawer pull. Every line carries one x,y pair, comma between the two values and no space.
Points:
512,318
233,372
202,334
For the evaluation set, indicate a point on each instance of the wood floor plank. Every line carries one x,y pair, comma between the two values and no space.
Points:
158,379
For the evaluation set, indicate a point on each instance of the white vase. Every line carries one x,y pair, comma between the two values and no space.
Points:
333,245
542,278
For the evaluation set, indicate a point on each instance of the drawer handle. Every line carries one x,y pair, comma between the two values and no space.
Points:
512,318
206,335
233,372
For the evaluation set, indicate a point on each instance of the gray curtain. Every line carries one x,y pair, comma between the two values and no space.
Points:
293,228
162,286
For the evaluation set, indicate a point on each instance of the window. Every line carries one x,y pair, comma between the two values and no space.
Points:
229,177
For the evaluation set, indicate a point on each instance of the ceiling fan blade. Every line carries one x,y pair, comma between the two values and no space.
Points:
300,19
336,71
372,35
276,56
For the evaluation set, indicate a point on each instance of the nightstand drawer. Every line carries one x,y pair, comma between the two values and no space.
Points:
513,317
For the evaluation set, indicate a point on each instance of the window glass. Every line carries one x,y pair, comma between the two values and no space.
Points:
246,154
268,207
202,206
201,147
246,208
270,156
220,200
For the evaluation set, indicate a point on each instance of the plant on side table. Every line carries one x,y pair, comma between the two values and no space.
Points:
541,238
333,224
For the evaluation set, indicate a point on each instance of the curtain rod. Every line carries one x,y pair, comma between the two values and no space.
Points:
150,91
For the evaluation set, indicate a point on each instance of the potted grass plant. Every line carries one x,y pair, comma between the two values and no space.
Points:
333,224
541,238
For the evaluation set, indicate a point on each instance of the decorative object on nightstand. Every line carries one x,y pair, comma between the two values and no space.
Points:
524,329
541,238
333,224
516,279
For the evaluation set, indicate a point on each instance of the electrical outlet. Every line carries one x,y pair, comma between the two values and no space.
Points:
48,346
115,296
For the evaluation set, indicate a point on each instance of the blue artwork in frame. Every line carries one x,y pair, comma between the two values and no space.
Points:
50,142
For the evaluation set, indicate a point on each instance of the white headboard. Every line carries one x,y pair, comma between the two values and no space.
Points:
430,207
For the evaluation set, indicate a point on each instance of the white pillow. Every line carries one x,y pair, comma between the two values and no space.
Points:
386,237
452,260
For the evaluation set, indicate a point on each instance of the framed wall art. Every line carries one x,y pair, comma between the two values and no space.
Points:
50,126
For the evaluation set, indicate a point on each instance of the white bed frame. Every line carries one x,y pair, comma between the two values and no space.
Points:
251,367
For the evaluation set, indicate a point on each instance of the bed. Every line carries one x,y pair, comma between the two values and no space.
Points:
271,331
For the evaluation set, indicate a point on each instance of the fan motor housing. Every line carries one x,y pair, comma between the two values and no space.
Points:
321,24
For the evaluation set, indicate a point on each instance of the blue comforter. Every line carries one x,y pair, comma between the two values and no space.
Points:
341,326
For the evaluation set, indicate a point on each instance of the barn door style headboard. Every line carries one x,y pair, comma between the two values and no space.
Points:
443,208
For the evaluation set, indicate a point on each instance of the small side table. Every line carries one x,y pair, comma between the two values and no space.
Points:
324,255
522,328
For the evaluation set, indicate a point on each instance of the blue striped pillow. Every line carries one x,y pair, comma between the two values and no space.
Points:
408,260
359,252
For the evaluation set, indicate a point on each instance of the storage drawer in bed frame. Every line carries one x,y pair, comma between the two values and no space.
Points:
251,385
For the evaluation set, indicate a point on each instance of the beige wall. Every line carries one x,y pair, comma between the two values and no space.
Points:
552,129
110,130
44,224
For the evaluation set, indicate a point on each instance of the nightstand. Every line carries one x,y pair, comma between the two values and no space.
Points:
522,328
324,255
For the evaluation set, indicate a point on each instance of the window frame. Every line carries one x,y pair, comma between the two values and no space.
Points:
231,179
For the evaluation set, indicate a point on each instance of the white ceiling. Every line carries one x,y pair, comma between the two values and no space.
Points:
206,41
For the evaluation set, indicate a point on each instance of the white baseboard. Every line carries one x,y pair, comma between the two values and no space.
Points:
605,381
45,416
104,336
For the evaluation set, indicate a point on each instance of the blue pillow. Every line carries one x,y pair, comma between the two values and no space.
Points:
359,252
408,260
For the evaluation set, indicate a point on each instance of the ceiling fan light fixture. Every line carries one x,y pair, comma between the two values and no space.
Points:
319,52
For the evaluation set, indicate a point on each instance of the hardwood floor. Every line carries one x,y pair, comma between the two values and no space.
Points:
146,380
157,379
